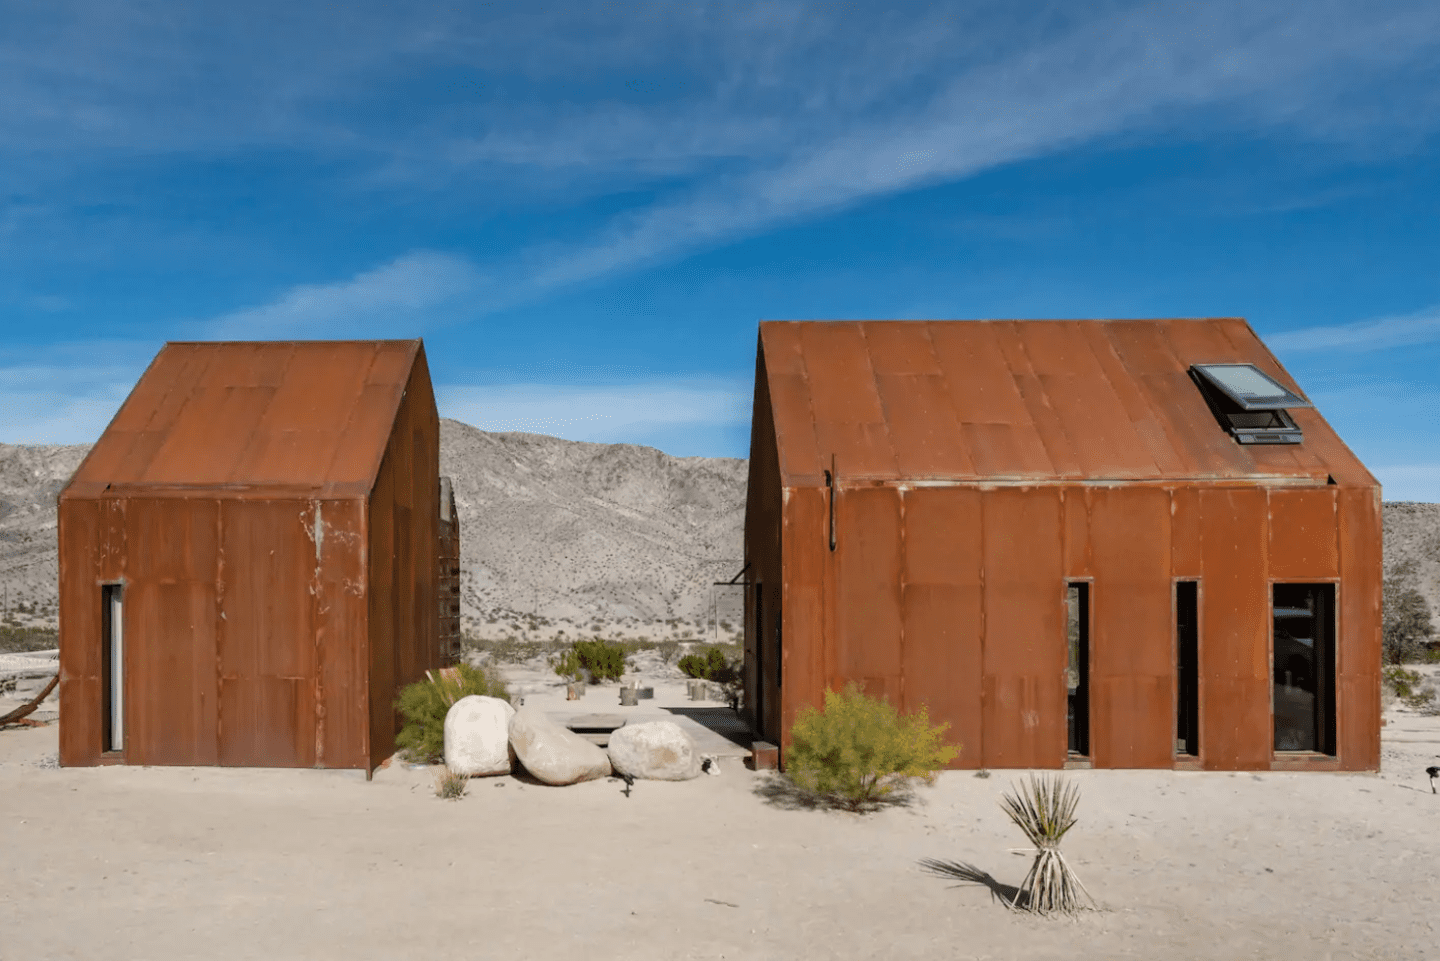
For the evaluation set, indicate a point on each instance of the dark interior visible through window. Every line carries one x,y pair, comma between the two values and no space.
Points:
1077,672
1304,667
1187,668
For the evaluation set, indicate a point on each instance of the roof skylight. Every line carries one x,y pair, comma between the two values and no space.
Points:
1249,403
1249,387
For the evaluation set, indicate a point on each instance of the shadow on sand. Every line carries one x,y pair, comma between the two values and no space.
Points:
1008,895
781,792
719,720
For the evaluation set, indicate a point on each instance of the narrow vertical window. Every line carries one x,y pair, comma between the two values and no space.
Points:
1187,668
1077,672
1304,667
112,668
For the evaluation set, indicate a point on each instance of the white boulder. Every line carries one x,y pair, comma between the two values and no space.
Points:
477,736
656,750
553,754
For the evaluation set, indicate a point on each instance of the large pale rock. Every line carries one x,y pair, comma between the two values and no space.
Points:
553,754
477,736
657,750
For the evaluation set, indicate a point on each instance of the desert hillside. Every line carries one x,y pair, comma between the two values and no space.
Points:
557,535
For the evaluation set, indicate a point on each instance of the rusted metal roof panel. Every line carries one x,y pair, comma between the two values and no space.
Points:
1052,400
242,416
923,428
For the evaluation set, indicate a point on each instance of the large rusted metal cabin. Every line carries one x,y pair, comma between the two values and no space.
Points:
1120,544
250,559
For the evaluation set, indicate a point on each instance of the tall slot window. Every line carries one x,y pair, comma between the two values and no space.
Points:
1304,667
1187,668
112,668
759,706
1077,671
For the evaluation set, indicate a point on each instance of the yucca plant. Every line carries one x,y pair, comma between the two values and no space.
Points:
1044,808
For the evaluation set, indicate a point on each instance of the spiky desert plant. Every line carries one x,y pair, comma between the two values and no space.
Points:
1044,808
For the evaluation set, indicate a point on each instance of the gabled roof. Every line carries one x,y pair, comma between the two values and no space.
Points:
1025,400
253,417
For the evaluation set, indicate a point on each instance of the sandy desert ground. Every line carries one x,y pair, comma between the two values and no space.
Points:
215,863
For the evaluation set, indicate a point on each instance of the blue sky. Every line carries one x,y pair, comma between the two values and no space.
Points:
585,209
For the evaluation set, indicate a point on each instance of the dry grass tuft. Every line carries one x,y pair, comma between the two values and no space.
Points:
451,785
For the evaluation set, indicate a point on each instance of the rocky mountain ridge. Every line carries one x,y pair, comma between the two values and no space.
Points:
558,537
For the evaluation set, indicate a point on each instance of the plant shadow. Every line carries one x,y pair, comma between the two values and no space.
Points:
779,791
1007,894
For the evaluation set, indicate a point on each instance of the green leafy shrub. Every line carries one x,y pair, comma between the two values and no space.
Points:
605,661
1406,626
705,663
567,665
18,639
860,749
425,704
1409,687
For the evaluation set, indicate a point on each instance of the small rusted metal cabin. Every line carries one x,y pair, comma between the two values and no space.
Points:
1081,543
250,559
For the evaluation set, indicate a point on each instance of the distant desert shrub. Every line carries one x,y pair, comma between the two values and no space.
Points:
859,750
567,664
425,704
709,661
1406,621
603,660
16,639
1409,687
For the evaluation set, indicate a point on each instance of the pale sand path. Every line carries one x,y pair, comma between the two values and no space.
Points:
218,864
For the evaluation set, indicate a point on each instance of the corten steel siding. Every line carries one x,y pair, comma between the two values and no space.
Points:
448,589
240,640
947,584
762,557
404,559
230,497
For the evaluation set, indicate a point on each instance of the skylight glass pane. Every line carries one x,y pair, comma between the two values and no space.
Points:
1249,387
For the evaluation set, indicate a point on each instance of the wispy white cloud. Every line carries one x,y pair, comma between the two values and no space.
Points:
1421,327
69,395
385,301
612,413
1141,67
